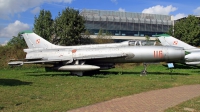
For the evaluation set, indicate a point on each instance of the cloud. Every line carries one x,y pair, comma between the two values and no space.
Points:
13,29
121,10
158,9
114,1
35,10
197,11
10,7
4,43
178,16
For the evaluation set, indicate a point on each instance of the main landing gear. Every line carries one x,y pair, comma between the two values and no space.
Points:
144,72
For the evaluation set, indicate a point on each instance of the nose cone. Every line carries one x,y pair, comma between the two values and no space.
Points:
176,54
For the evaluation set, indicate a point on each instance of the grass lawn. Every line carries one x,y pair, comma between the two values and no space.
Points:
192,105
34,89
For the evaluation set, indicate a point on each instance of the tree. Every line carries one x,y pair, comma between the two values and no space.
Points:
18,42
43,25
86,39
103,37
13,50
68,27
147,38
187,30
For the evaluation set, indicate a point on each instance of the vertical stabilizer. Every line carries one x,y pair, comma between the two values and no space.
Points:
169,40
163,41
35,41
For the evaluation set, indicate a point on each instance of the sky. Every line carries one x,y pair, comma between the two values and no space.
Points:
18,15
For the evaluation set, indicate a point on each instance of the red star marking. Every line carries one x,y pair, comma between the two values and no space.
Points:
37,41
175,43
74,51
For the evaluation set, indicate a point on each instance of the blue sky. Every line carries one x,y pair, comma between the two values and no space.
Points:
18,15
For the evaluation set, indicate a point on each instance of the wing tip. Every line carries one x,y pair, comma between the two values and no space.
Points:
165,35
26,31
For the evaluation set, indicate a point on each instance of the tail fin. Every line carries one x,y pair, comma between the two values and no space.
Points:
35,41
162,40
169,40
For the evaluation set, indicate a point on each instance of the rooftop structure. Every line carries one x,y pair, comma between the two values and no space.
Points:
126,23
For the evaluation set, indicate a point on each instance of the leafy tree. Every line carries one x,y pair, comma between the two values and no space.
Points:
18,42
86,39
43,25
13,50
147,37
68,27
103,37
187,30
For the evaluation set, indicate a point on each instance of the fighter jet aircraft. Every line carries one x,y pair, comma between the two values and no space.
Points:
78,59
33,42
193,53
30,37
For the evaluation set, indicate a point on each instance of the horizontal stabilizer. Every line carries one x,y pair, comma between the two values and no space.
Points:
48,61
68,59
16,63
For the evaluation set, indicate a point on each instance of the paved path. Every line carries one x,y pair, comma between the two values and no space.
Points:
152,101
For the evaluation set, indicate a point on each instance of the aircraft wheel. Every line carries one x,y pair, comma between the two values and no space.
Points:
144,72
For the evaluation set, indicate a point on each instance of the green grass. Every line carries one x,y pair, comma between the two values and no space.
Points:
193,104
36,90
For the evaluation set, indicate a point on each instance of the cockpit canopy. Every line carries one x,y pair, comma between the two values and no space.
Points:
141,43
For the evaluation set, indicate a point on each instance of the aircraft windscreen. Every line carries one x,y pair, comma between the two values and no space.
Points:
131,43
148,43
141,43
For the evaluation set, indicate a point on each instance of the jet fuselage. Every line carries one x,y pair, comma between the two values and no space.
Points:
131,54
